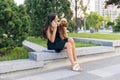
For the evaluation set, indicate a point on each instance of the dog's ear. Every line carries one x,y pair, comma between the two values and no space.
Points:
61,24
67,24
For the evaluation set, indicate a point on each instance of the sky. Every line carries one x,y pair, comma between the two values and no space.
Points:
19,2
91,3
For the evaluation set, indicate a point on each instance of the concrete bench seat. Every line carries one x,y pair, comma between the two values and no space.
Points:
32,46
112,43
51,55
40,53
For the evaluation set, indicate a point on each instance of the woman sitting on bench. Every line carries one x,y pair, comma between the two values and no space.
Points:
51,32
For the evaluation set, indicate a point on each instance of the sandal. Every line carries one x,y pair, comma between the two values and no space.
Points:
77,68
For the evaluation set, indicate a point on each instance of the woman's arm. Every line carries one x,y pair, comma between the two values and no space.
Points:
50,36
65,32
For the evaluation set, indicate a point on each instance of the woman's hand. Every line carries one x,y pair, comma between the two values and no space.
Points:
52,36
54,24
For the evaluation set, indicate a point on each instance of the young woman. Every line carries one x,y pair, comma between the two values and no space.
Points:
51,32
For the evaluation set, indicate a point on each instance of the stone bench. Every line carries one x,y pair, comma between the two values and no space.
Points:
51,55
30,46
112,43
41,53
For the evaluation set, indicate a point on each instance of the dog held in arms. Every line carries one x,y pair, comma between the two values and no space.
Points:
62,28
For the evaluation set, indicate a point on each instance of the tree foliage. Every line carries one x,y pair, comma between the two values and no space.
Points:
80,9
94,20
110,23
39,10
111,2
117,26
71,26
14,24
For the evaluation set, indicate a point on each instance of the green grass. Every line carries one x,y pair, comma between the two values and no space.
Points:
43,42
85,44
111,36
22,53
14,54
38,40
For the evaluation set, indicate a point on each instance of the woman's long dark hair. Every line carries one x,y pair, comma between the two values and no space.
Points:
50,18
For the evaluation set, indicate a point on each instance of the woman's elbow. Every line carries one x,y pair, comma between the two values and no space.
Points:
52,40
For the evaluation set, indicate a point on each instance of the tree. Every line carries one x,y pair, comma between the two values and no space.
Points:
111,2
14,24
117,26
81,7
71,26
107,19
80,10
110,23
94,20
39,10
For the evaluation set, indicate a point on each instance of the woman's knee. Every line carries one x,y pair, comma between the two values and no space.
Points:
71,40
68,45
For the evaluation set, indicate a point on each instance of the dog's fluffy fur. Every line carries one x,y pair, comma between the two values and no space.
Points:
62,28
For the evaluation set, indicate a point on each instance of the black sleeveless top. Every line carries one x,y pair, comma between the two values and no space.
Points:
58,44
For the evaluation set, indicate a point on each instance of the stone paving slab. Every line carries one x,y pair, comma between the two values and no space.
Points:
108,65
88,66
81,76
51,75
17,65
107,71
67,74
114,77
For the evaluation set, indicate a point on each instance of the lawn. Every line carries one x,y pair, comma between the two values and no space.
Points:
110,36
14,54
21,52
44,42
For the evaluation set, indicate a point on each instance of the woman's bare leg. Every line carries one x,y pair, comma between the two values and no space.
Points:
68,46
73,48
71,56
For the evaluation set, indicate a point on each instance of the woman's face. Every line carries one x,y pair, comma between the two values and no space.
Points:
56,19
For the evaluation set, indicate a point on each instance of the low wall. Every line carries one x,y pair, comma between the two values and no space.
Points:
111,43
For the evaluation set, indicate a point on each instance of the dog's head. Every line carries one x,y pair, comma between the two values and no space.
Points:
63,22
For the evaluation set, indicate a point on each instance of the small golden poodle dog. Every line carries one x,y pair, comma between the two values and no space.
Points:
62,28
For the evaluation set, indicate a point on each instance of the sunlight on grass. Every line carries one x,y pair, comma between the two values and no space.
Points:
38,40
111,36
43,42
22,53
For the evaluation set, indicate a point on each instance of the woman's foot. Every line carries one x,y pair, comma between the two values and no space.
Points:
76,62
77,68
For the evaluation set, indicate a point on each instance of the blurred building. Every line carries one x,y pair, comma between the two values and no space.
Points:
111,10
99,6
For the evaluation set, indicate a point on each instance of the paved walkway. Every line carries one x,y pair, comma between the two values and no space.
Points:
96,67
105,69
